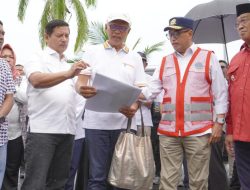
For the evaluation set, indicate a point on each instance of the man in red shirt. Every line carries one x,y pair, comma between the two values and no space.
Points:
238,119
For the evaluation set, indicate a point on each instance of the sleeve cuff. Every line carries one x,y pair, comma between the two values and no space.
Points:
229,129
221,109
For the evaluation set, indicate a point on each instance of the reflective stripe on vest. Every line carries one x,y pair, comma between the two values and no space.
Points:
186,112
189,107
189,117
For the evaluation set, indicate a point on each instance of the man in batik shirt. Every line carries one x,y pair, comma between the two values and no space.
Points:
7,90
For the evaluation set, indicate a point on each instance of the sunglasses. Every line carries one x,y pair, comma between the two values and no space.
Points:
120,28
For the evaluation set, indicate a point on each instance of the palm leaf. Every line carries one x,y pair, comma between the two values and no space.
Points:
90,3
46,17
155,47
97,33
58,9
136,43
82,30
22,7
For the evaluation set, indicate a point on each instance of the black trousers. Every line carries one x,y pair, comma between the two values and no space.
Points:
217,179
242,155
83,170
235,182
156,149
13,163
47,161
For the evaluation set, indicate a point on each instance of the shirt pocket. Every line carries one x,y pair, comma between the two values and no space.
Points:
169,75
233,73
129,71
197,76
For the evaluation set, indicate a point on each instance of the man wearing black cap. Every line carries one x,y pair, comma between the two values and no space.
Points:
238,127
192,80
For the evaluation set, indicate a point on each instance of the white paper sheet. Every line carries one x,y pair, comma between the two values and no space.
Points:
111,95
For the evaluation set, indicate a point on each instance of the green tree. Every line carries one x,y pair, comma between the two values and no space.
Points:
98,35
59,9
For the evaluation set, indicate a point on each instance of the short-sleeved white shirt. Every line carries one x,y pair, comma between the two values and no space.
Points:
146,112
125,66
51,110
80,131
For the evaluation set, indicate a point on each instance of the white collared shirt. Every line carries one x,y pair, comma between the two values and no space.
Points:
146,111
51,110
125,66
80,131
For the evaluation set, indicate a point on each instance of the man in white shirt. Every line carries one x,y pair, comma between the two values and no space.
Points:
217,179
52,113
145,107
78,148
115,60
192,80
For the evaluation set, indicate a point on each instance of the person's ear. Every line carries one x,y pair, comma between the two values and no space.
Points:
190,32
46,36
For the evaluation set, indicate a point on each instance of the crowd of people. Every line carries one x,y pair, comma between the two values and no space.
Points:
192,106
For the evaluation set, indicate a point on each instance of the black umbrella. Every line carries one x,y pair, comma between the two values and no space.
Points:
215,22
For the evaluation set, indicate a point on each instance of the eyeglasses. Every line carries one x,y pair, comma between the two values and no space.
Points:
120,28
175,33
243,21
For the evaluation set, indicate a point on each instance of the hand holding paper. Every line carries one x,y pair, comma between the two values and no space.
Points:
111,95
87,91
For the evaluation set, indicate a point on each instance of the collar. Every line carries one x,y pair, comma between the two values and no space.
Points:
54,53
245,47
189,51
108,46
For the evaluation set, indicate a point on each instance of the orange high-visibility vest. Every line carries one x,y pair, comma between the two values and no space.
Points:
187,105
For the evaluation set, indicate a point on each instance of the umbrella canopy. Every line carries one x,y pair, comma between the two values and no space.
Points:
215,21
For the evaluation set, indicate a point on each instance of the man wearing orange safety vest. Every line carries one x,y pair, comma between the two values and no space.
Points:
194,85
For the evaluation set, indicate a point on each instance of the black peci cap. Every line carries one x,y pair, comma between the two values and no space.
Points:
242,8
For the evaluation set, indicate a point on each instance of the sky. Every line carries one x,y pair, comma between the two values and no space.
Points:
148,17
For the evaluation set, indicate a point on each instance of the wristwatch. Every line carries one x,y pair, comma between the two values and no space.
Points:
220,120
2,119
